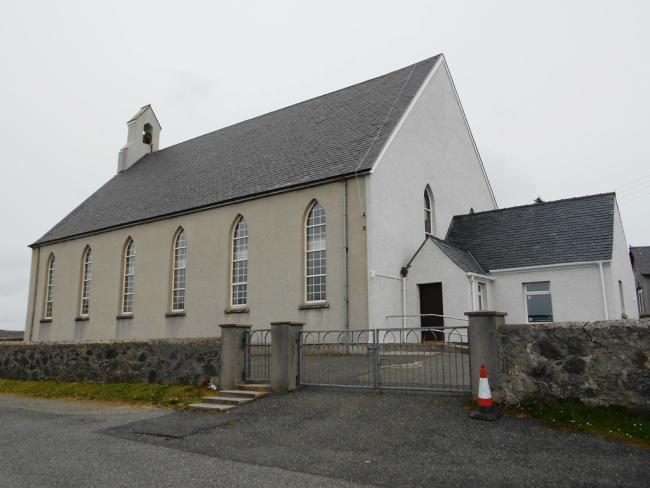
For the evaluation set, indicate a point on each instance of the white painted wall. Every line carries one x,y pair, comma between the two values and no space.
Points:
621,269
576,293
432,146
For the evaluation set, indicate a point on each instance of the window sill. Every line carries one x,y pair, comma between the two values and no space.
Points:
84,318
124,316
175,314
45,321
313,306
236,310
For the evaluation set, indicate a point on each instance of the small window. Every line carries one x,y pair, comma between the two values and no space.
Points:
639,294
128,282
179,271
316,255
538,302
49,289
622,297
239,274
429,222
86,278
482,297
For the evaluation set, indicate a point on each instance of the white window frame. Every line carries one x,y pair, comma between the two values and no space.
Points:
640,300
128,274
322,296
86,282
176,288
532,293
239,255
481,293
429,217
48,308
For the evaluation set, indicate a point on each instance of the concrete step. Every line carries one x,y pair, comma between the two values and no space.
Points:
254,387
228,400
244,393
210,407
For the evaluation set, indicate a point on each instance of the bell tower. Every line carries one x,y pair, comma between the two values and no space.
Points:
143,137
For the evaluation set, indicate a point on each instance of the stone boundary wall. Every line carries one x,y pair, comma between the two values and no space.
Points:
154,361
601,363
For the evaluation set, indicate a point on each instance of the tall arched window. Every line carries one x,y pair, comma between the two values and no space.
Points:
429,217
315,255
239,275
179,271
86,277
128,277
49,289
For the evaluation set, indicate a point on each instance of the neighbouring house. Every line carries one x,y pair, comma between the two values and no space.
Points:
314,213
640,258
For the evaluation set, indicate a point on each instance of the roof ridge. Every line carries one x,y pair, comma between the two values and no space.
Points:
594,195
412,65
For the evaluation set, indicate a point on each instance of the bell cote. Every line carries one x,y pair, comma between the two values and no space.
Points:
143,137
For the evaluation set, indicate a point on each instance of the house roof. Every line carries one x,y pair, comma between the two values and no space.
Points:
328,137
563,231
461,257
641,256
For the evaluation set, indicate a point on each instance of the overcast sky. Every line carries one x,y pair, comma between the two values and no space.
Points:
556,93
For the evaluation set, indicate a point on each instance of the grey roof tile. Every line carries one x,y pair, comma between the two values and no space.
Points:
327,137
562,231
641,256
461,257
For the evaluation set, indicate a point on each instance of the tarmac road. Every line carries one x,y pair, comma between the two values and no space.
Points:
305,439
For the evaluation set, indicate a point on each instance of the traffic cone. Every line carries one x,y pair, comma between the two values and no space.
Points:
485,409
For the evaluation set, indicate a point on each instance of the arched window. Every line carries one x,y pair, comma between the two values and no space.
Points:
128,280
49,289
315,255
239,275
86,277
179,271
429,217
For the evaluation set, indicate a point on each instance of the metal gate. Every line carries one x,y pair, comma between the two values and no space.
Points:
400,358
257,356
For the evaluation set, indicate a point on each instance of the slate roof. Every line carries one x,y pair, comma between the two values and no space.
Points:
328,137
562,231
641,257
461,257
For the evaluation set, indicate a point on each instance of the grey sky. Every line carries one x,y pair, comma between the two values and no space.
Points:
556,93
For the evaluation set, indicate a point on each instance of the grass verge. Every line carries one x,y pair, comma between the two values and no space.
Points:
138,393
571,414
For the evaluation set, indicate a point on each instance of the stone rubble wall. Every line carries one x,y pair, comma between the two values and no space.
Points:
600,363
165,361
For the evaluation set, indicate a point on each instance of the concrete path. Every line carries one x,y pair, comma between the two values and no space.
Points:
308,438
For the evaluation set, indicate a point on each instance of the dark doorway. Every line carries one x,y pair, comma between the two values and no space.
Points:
431,303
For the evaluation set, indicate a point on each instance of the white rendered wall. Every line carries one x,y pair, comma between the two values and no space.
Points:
621,269
576,293
433,146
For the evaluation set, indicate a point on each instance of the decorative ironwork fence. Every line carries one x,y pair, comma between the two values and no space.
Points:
399,358
257,354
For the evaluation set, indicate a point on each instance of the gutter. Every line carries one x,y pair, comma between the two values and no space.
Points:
542,267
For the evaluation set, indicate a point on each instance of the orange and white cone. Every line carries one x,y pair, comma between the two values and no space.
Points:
485,409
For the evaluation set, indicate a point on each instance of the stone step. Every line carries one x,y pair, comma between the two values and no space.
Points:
210,407
244,393
228,400
254,387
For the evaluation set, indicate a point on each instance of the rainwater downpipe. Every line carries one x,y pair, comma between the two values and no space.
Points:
403,273
602,284
346,260
471,290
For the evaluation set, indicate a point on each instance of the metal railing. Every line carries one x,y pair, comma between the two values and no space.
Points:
257,356
415,358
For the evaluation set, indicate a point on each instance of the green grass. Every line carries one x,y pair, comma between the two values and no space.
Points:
139,393
615,422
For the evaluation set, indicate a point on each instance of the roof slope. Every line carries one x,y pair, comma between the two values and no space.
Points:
461,257
330,136
562,231
641,257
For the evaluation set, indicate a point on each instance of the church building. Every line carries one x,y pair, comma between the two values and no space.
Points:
367,207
